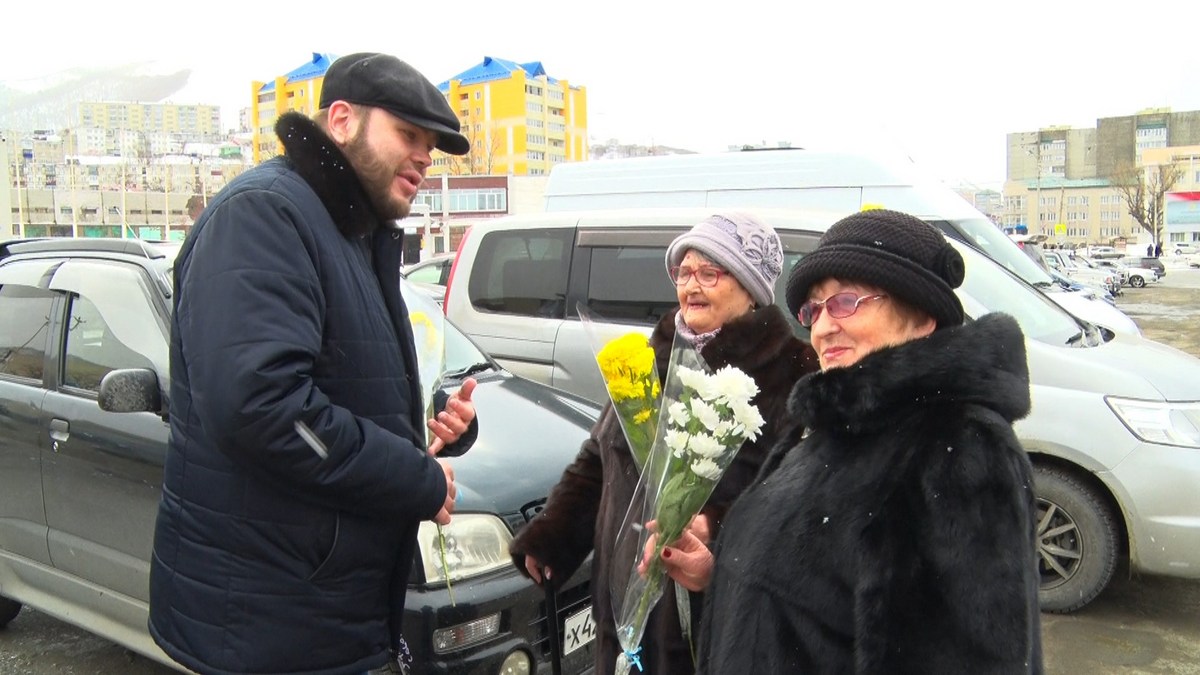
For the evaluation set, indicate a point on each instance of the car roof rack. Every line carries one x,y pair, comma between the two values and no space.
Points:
140,247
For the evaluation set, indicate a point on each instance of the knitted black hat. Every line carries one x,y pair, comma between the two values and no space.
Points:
903,255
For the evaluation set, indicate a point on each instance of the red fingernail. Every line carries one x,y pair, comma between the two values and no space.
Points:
666,553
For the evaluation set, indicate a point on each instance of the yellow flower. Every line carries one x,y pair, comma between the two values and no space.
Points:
421,319
627,364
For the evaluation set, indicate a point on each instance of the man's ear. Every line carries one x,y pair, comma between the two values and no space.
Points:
342,122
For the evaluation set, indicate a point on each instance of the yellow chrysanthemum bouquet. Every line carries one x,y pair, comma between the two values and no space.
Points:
629,373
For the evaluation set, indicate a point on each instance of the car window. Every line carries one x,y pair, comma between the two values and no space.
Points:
93,348
24,328
429,274
627,283
113,324
522,272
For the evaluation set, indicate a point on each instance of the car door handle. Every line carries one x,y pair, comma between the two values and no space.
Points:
60,431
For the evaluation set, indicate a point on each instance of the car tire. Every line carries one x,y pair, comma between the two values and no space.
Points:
1076,538
1137,281
9,609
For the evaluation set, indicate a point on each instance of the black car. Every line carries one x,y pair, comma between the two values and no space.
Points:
83,397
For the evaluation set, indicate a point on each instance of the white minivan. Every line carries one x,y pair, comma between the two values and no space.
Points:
841,182
1114,433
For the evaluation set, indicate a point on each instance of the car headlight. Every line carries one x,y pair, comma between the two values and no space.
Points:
475,543
1168,423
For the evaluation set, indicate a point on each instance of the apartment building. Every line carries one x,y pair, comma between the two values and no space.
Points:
1059,179
520,120
169,118
298,90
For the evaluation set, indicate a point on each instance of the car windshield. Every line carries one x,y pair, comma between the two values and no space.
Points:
988,238
988,287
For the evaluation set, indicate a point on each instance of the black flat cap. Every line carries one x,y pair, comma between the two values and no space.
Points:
384,81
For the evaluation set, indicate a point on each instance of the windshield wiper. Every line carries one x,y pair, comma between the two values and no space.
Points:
1075,339
1043,284
470,370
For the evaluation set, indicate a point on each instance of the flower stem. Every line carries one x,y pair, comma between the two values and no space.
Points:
445,567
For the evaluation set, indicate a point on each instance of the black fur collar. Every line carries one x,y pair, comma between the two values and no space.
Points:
323,165
980,362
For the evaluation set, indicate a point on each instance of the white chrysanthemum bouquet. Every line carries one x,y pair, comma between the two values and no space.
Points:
705,418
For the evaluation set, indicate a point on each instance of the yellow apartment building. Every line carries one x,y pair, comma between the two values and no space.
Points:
520,121
298,90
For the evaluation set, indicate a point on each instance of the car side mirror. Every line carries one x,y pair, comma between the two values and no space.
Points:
130,390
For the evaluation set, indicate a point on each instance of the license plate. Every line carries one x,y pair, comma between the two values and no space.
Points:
578,631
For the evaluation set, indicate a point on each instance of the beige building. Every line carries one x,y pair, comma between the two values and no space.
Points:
1059,179
170,118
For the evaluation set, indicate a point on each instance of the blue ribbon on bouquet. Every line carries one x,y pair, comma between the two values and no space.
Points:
634,658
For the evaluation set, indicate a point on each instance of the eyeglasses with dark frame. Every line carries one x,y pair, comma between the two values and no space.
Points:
706,275
839,306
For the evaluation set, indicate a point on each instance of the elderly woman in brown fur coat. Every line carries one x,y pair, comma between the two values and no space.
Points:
724,270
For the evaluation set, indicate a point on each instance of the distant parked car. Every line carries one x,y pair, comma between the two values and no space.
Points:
1149,262
433,270
1103,252
1184,249
1136,277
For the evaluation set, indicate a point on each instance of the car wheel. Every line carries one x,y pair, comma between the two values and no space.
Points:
1077,541
8,611
1137,281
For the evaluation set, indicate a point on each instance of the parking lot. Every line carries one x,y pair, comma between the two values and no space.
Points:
1137,626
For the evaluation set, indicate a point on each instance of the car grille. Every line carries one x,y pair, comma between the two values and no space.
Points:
570,601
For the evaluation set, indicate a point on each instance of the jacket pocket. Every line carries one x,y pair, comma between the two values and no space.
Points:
333,545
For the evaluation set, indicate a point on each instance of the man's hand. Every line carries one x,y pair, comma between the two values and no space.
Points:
453,421
443,516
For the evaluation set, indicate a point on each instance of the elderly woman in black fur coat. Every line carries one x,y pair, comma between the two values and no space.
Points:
724,270
896,533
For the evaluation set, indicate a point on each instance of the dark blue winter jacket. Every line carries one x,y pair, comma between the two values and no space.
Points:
273,553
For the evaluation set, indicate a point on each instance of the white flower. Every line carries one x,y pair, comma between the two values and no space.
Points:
731,384
707,414
677,441
678,413
705,446
748,416
702,383
706,468
724,428
691,378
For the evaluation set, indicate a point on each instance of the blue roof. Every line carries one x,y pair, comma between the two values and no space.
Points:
315,67
496,69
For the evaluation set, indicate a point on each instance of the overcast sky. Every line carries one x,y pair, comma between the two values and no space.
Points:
942,82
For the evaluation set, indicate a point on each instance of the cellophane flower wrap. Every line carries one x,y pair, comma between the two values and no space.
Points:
627,366
429,337
705,418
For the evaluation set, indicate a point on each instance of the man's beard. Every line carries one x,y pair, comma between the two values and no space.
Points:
376,177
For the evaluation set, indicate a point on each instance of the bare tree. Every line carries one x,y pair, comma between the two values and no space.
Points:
1144,190
485,148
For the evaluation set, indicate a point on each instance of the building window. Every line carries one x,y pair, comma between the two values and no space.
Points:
534,107
532,90
535,154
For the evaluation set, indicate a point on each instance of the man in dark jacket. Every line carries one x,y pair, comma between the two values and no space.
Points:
297,471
